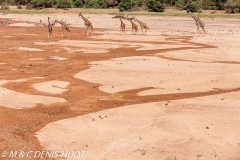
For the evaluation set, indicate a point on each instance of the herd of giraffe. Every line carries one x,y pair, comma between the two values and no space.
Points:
65,26
88,24
144,27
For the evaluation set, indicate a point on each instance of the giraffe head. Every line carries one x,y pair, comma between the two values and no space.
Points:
134,18
130,18
117,16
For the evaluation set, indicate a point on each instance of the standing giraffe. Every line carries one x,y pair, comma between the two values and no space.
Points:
122,25
87,23
142,25
64,26
49,28
134,25
199,22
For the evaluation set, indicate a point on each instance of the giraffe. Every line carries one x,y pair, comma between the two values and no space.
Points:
87,23
199,22
134,25
49,28
64,26
142,25
122,25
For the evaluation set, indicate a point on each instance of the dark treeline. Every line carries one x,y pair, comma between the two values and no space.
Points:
231,6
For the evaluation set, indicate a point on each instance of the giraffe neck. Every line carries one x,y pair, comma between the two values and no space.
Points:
85,19
121,20
138,21
132,22
194,17
59,22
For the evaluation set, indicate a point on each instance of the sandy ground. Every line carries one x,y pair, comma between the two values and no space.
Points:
166,94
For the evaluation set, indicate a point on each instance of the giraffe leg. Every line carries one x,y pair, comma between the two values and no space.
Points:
83,28
203,31
197,30
87,30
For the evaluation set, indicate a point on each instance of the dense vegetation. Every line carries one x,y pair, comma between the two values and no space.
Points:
231,6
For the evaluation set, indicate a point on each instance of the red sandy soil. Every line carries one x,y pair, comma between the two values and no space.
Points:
17,131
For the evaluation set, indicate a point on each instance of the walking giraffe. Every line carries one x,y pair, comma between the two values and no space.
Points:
122,25
49,28
199,23
64,26
87,23
134,25
142,25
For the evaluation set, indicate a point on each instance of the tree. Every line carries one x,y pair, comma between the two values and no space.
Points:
232,6
78,3
156,5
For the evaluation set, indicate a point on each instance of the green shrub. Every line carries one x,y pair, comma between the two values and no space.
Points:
155,5
78,3
193,6
29,6
93,4
236,10
102,3
43,3
124,5
208,4
10,2
213,4
231,5
37,3
180,4
65,4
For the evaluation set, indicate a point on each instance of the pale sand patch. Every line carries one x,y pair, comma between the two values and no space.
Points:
222,52
163,131
19,80
54,86
168,76
30,34
28,49
69,50
160,46
22,24
16,100
101,46
2,63
57,58
36,59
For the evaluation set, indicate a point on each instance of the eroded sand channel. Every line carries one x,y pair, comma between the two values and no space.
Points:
176,94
